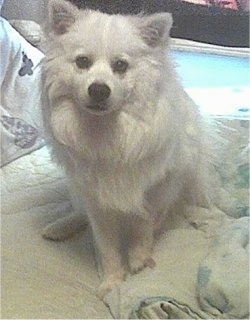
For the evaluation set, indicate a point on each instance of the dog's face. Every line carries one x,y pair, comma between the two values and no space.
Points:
105,61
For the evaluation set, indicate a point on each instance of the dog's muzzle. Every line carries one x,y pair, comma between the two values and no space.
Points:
99,94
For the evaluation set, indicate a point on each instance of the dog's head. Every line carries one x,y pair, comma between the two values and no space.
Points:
105,61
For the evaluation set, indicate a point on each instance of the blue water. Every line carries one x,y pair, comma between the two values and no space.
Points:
211,70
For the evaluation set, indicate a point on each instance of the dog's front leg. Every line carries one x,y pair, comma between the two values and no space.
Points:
105,226
140,244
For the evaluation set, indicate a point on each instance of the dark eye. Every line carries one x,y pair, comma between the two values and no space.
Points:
120,66
83,62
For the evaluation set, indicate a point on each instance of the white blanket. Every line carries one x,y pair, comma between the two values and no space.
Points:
43,279
202,261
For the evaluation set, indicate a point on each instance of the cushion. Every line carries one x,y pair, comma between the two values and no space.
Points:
20,78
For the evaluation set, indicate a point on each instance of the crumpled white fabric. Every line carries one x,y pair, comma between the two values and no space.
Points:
201,272
223,276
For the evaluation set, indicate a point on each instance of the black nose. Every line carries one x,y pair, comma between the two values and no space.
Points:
99,91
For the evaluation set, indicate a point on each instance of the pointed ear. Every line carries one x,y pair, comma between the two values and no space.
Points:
154,29
62,15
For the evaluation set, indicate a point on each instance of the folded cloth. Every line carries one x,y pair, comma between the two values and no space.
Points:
169,290
223,276
201,272
163,308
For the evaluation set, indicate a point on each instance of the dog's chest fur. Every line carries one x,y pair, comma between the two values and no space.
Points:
120,160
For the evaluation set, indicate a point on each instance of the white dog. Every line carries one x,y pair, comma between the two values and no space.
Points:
129,138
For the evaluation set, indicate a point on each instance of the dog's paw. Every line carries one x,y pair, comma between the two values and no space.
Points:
139,262
109,284
53,232
64,228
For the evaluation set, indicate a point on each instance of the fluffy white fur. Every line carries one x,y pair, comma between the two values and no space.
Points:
142,156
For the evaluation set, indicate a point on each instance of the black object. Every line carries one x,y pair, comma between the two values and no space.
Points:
99,91
26,67
191,21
